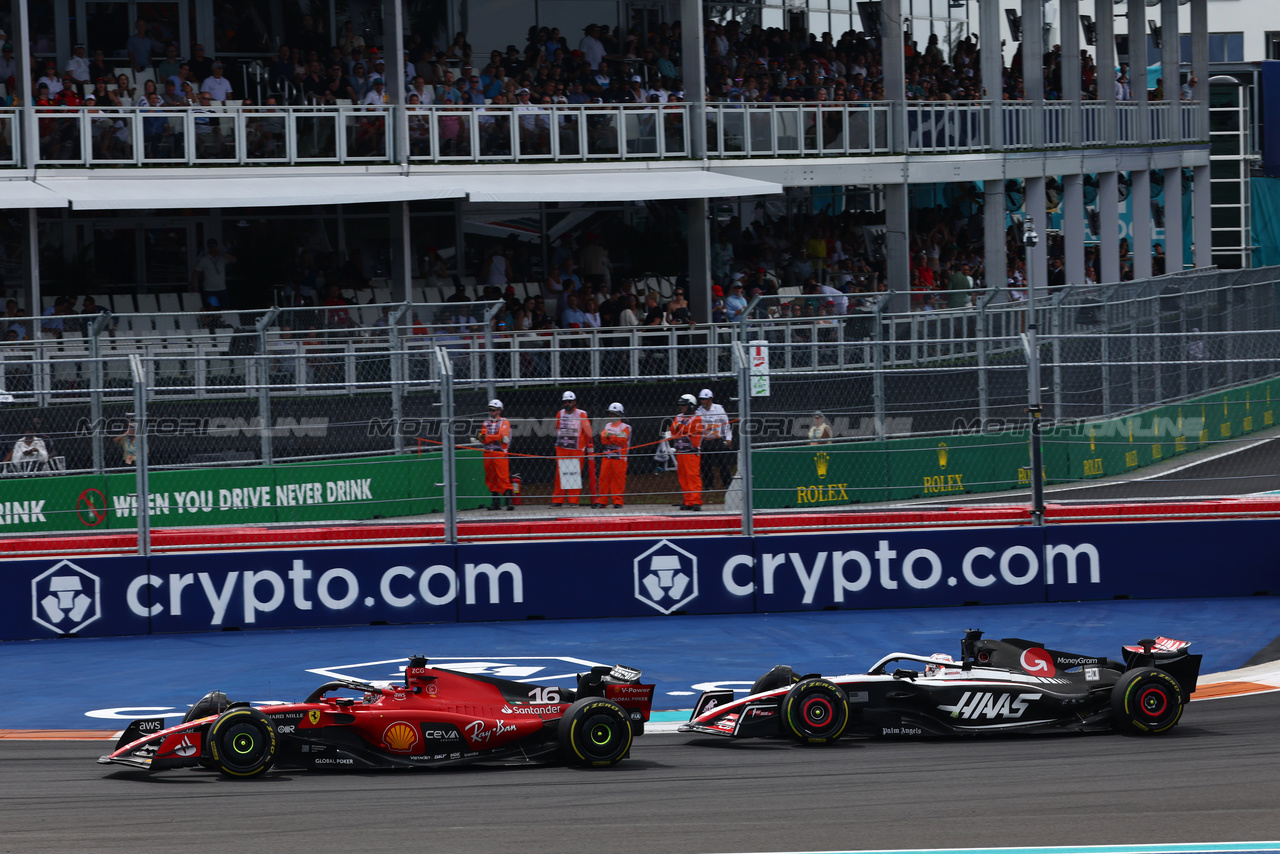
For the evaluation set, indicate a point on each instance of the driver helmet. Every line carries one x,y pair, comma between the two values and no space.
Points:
938,669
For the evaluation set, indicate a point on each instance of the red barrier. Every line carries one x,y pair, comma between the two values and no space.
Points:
586,522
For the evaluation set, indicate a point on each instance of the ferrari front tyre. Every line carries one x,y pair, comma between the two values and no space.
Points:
815,711
594,732
1147,701
242,742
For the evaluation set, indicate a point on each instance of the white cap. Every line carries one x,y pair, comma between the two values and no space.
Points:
568,395
688,399
616,407
495,404
706,392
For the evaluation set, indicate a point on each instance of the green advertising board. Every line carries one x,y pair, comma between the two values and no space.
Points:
353,490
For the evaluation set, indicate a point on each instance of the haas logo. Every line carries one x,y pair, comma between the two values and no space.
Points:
1037,662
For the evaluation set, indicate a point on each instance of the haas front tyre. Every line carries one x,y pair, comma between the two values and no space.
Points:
242,742
1147,701
815,711
594,732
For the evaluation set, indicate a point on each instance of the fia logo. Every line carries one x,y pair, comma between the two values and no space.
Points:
65,598
666,577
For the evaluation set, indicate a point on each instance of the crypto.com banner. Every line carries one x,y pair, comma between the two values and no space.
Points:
611,578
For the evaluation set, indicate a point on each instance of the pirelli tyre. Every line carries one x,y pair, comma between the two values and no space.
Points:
594,733
1147,701
242,743
815,711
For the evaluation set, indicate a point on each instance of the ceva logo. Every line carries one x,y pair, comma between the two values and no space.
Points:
666,577
66,598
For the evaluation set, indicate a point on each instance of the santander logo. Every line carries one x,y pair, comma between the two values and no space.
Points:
1038,662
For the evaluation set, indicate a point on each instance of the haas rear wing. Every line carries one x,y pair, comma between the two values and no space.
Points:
1170,656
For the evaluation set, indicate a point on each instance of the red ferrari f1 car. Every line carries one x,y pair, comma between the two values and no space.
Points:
437,718
997,686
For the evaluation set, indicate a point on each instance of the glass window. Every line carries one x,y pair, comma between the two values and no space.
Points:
1226,47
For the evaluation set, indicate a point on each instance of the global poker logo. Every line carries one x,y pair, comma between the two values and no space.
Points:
666,577
65,598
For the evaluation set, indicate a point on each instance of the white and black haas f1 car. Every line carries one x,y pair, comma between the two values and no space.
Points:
997,686
439,717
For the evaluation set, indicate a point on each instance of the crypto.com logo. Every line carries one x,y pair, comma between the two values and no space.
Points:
666,577
65,598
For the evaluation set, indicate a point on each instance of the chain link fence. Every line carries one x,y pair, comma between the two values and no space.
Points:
377,414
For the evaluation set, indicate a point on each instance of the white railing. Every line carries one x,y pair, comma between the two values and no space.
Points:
946,127
239,135
552,132
771,130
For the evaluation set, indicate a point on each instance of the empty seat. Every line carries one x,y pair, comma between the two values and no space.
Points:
147,303
190,302
170,303
122,304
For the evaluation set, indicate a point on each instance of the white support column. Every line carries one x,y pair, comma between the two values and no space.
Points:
1073,220
1173,241
1140,222
1138,67
1069,21
1202,215
897,245
25,87
1109,224
699,217
1033,74
992,70
1034,206
894,70
1105,57
33,291
693,73
1200,60
393,50
401,252
1170,50
994,261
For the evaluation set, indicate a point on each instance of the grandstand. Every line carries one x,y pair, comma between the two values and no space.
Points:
552,201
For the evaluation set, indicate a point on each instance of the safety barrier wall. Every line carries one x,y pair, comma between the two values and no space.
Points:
368,488
841,473
712,575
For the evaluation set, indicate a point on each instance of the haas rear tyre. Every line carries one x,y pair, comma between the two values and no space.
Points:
1147,701
594,732
242,742
815,711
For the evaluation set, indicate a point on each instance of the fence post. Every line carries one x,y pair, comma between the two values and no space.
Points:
742,357
488,348
397,373
96,327
263,373
140,453
877,366
447,463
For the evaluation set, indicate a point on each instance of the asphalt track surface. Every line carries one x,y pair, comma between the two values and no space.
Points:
1213,778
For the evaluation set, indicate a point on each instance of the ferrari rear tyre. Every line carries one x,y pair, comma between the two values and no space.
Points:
815,711
1147,701
781,676
242,742
594,732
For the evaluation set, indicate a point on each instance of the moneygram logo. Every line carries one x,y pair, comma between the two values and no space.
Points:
65,598
1038,662
666,577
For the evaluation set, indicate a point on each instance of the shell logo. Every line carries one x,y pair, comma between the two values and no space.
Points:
400,737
